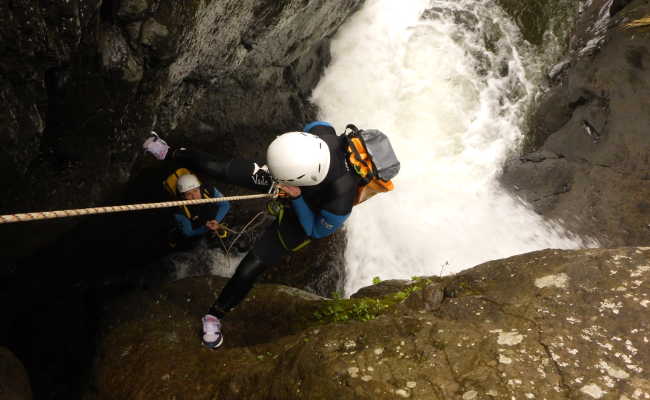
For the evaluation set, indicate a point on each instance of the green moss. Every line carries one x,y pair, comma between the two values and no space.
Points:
364,309
353,309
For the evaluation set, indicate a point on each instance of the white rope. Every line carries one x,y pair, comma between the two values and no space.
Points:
26,217
225,248
243,230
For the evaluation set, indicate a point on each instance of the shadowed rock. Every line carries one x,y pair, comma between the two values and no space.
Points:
82,83
14,382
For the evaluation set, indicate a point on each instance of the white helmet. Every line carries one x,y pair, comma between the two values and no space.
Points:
298,159
187,182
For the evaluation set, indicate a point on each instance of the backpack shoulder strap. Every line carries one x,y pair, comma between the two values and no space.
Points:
354,140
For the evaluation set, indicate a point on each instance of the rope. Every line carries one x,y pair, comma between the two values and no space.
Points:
25,217
639,23
242,231
225,248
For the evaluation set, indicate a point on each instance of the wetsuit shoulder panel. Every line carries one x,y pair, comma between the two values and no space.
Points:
317,224
311,125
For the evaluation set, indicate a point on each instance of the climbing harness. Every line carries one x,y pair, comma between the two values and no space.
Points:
276,208
243,230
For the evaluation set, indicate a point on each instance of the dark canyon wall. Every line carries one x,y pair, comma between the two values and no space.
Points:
82,83
587,156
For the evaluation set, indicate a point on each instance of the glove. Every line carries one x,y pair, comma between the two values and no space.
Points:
156,146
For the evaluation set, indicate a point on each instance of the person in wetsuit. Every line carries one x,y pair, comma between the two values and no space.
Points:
311,167
192,222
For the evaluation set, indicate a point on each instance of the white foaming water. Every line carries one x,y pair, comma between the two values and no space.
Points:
202,261
452,107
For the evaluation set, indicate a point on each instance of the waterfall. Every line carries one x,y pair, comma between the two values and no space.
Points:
451,83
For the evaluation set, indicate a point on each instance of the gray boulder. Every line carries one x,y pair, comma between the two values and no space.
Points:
549,324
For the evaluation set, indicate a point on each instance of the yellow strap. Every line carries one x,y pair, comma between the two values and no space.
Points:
187,212
303,244
276,209
221,233
284,244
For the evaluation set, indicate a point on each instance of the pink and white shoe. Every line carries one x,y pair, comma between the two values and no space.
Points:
156,146
212,336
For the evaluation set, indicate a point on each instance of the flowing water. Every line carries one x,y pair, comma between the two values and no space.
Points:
451,83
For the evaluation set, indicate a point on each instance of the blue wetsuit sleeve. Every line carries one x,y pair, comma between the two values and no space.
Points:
317,225
185,226
311,125
224,206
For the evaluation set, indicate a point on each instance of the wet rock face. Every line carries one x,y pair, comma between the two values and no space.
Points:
83,82
536,19
618,5
35,41
590,164
549,324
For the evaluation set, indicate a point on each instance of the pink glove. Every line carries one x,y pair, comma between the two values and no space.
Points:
156,146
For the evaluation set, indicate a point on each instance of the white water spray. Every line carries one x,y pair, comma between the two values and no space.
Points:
451,90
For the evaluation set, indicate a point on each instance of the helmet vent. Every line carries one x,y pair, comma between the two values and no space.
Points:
300,176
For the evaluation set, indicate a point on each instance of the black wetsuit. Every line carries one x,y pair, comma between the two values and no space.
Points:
318,212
